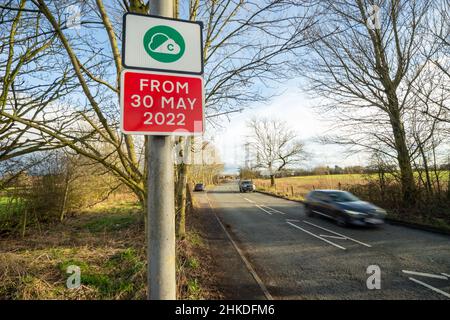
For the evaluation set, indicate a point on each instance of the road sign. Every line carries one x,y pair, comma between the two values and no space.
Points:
162,44
155,103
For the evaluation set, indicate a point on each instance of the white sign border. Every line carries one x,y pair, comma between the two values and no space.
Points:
158,69
170,133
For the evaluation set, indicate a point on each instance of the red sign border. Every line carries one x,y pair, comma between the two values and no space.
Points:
147,133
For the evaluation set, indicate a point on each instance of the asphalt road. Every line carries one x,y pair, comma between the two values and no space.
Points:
295,258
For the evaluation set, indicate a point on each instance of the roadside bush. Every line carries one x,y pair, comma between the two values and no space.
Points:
429,208
57,186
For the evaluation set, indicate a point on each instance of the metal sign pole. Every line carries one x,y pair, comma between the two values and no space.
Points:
161,212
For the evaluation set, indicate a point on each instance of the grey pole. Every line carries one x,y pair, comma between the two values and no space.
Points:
161,211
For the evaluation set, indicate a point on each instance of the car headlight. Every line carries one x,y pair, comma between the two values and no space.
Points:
355,213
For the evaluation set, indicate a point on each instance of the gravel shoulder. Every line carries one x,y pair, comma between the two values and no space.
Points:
228,275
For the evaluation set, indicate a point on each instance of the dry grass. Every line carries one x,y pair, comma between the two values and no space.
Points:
107,242
297,187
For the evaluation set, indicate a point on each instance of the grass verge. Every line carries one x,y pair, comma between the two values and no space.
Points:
107,245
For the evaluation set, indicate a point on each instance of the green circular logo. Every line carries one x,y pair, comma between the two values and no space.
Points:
164,44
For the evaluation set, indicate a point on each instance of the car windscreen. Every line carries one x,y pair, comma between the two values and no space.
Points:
341,196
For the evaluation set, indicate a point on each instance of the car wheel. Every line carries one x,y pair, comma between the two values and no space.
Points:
309,212
341,221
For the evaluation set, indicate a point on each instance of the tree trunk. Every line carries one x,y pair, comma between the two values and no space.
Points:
24,225
181,191
428,185
436,171
139,6
182,183
272,180
64,200
403,158
382,180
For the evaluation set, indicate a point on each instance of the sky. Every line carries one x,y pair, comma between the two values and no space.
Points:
299,112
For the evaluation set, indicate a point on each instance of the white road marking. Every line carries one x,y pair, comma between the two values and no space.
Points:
263,209
275,210
430,287
340,236
445,274
241,254
293,220
422,274
251,201
344,236
314,235
332,237
322,214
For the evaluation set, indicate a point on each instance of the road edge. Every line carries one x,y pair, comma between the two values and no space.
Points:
241,254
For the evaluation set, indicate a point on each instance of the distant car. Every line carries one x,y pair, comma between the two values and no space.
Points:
246,185
343,207
199,187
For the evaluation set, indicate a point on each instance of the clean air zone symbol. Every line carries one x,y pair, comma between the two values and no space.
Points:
164,44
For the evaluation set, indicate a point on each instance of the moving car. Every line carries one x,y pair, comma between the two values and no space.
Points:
246,185
199,187
343,207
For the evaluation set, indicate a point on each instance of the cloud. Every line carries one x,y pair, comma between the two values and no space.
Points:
161,43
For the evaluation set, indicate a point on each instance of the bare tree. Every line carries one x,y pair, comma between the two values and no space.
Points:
434,90
23,94
245,42
440,26
275,144
367,70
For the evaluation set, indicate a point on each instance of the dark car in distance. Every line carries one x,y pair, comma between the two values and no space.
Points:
199,187
246,185
343,207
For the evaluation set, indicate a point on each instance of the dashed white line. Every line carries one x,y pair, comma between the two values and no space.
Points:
251,201
316,236
336,233
267,209
322,214
428,275
275,210
430,287
339,236
332,237
263,209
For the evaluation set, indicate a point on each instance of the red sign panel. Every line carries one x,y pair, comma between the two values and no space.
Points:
161,104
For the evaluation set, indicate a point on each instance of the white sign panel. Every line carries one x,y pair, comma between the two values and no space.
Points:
162,44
